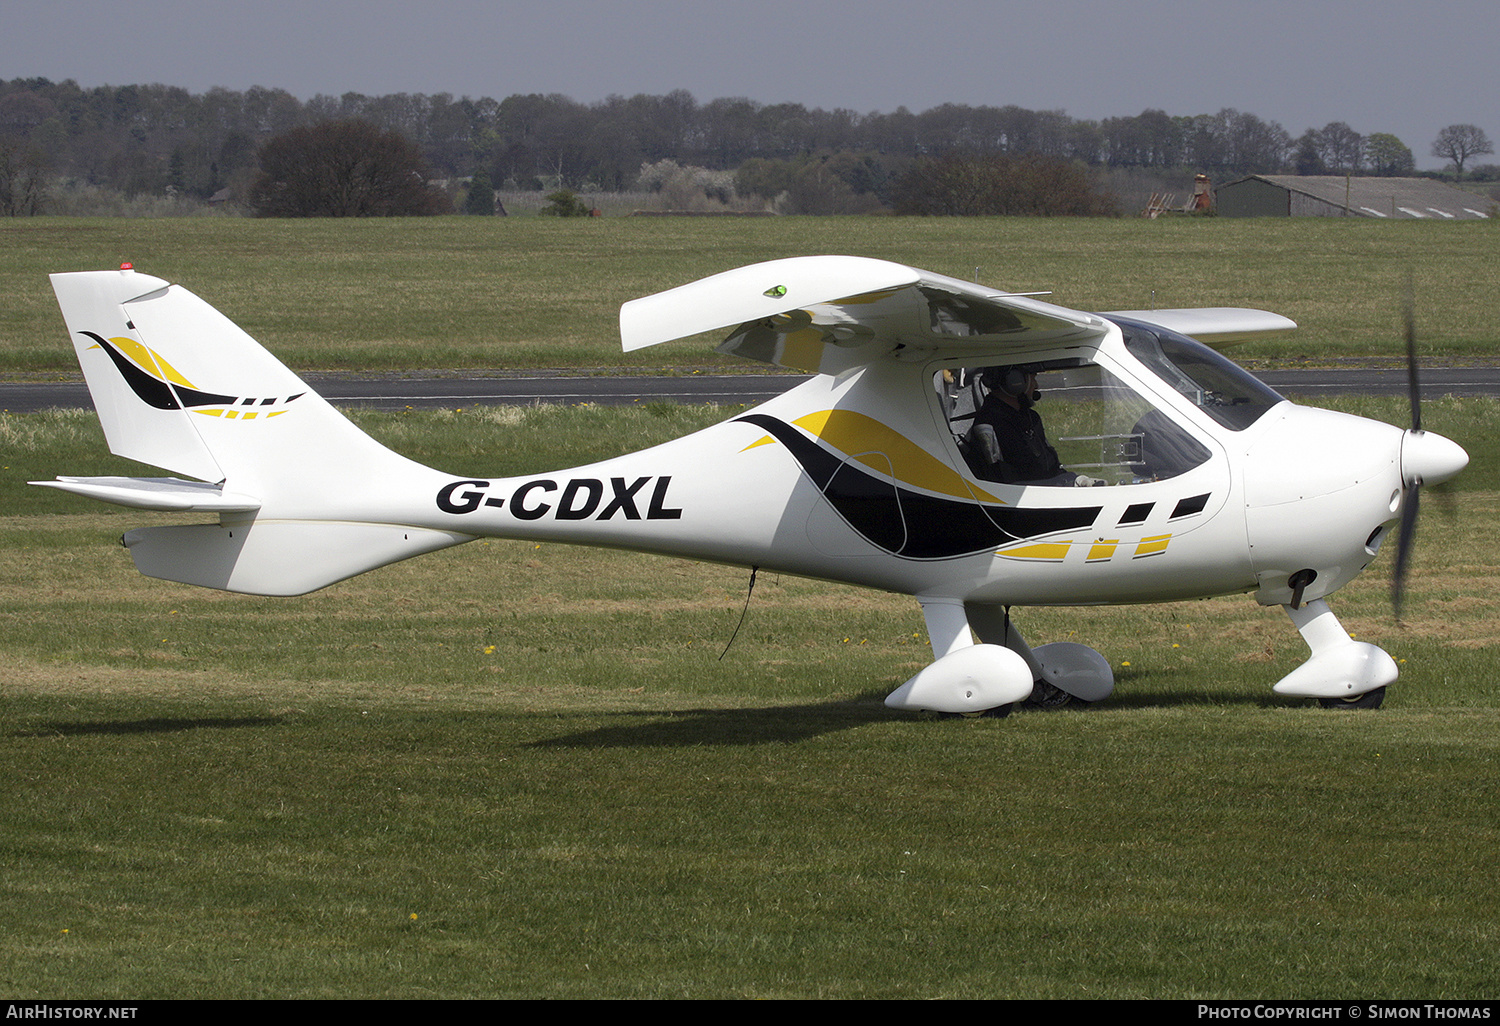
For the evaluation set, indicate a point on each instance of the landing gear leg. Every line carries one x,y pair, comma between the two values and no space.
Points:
1341,673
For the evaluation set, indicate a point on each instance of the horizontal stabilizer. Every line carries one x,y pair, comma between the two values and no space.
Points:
160,493
277,557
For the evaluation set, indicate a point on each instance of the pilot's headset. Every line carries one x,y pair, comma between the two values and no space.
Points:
1012,382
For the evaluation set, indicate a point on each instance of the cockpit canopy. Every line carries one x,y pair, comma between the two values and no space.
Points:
1220,388
1091,427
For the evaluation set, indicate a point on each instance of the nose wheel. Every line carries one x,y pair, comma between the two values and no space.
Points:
1368,700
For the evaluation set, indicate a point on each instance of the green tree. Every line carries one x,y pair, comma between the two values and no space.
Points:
344,169
481,197
563,203
1306,159
842,182
1388,156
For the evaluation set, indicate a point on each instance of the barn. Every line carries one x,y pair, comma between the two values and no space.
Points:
1340,196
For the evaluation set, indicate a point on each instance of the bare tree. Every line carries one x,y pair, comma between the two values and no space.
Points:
963,185
1460,142
1253,145
1341,148
23,179
344,169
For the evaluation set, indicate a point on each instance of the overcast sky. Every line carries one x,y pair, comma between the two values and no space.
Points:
1379,65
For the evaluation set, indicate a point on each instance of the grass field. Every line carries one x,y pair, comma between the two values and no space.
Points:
541,292
510,770
519,771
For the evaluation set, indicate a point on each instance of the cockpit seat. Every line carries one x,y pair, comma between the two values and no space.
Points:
981,450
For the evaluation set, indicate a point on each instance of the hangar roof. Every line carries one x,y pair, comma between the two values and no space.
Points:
1398,198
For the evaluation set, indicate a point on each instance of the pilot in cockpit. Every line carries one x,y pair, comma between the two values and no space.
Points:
1007,442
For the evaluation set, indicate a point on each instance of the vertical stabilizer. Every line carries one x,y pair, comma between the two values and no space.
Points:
133,387
180,386
304,497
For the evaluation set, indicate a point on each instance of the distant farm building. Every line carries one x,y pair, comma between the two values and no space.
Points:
1337,196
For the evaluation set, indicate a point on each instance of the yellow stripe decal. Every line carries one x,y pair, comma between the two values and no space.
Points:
1152,546
1049,551
802,349
1101,549
147,359
867,439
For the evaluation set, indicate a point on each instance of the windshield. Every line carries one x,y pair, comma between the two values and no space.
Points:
1219,387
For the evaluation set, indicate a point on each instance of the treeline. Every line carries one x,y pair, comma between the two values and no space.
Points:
164,140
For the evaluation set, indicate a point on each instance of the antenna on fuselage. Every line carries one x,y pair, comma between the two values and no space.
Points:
753,571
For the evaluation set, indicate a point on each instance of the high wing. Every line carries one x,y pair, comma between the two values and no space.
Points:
1215,326
792,313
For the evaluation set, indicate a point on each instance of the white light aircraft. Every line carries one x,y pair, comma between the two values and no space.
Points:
1163,471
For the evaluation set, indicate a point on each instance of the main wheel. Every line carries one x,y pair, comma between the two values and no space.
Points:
1047,696
997,713
1368,700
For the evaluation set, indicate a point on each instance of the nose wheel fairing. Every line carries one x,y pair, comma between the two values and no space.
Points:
1339,667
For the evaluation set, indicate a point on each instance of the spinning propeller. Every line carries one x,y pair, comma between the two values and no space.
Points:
1425,459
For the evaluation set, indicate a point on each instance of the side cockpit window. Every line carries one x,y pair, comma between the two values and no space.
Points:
1062,423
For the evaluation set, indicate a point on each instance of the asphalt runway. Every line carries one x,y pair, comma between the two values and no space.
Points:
455,390
755,388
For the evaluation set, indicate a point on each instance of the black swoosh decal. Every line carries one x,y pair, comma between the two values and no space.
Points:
907,523
152,390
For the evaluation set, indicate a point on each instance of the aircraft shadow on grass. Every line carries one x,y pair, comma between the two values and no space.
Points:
154,725
790,724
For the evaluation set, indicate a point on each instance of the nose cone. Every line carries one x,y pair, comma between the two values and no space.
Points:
1428,458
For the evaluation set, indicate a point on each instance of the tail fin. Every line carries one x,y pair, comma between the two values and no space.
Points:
179,386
